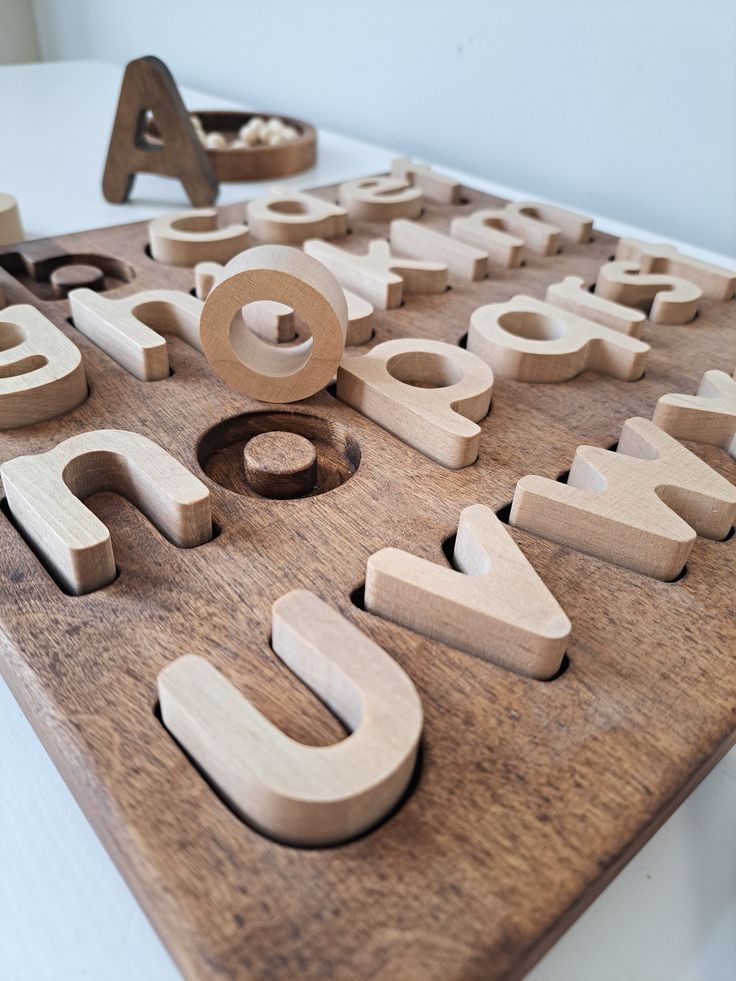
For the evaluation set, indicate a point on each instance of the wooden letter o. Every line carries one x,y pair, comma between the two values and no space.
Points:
250,365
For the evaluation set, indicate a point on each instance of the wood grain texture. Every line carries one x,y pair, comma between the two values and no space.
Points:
707,417
666,299
34,264
641,507
380,198
45,494
571,294
421,242
275,322
360,320
185,238
266,371
148,86
492,604
715,282
11,229
530,796
433,184
131,329
280,464
304,795
543,226
286,217
41,370
485,229
535,341
428,393
258,163
379,276
75,276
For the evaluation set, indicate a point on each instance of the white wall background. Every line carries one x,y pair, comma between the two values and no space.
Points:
18,37
625,108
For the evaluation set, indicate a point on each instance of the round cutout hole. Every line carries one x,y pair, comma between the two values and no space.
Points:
532,326
424,369
221,449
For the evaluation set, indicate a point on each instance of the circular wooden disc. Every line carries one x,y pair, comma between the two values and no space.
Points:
75,276
280,464
250,365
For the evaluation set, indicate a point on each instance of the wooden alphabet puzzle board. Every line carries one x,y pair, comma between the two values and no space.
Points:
529,796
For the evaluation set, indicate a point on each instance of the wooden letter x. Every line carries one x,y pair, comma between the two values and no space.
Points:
639,507
495,607
379,276
45,494
303,795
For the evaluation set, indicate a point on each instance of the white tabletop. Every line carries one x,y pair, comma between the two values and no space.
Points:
65,912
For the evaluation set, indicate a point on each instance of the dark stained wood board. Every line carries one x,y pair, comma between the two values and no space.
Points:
530,796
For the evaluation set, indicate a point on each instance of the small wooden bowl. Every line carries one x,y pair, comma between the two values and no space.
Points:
259,162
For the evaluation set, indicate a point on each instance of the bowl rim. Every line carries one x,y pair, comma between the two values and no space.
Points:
307,132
